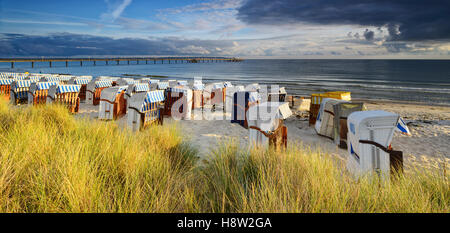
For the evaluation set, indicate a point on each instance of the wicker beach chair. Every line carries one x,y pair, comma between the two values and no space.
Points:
341,112
197,94
316,100
178,99
112,103
66,94
161,85
19,91
369,144
145,109
38,92
82,81
266,124
94,90
242,100
5,87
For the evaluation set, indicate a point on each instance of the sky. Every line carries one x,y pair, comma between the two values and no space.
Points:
238,28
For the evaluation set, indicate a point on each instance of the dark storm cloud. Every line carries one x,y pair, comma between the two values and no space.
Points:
407,20
66,44
369,35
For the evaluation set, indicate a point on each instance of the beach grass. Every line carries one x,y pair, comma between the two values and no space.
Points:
51,161
302,180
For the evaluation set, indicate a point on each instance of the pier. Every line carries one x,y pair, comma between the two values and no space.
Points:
117,60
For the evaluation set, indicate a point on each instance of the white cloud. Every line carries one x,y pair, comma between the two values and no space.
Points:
115,10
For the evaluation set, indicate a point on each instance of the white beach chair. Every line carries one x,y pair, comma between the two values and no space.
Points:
112,103
369,138
325,117
265,124
94,89
65,94
38,92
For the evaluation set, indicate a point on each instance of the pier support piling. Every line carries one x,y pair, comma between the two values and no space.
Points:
67,63
32,64
12,65
50,63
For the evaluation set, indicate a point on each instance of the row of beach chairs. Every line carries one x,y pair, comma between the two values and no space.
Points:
35,89
367,135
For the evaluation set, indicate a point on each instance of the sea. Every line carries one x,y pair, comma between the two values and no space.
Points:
425,81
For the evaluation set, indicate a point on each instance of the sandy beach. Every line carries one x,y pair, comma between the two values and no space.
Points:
427,147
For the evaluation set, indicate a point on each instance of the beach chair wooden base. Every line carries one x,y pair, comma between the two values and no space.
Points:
313,111
20,95
152,114
277,138
197,99
39,97
238,111
343,130
119,105
82,94
170,101
5,91
396,163
68,99
96,95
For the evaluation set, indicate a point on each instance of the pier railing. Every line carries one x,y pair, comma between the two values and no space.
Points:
117,60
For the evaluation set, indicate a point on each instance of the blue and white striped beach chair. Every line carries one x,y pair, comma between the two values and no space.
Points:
144,109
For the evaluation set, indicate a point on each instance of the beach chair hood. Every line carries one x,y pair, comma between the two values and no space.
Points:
153,81
103,83
20,84
60,89
341,113
6,81
173,83
138,87
197,85
252,87
44,85
267,115
126,81
111,93
163,85
80,81
325,118
139,100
